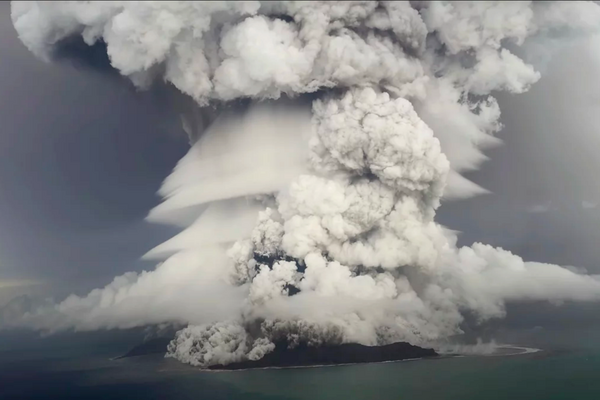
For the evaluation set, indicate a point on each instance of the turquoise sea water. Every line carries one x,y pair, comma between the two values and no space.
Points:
568,369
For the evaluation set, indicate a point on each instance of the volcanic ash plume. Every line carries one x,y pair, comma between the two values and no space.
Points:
316,224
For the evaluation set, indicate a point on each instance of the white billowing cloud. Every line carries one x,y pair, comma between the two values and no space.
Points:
220,343
271,282
475,25
281,57
331,213
369,133
334,279
486,278
184,288
248,45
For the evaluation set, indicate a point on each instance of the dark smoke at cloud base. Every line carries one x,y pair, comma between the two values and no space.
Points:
315,224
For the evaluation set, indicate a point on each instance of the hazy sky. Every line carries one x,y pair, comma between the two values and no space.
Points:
82,155
545,179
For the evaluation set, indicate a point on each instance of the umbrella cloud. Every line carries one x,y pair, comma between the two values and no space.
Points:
309,203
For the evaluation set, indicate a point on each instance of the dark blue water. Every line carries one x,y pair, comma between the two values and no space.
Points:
79,367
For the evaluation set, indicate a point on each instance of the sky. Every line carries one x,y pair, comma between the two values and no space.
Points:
82,155
544,179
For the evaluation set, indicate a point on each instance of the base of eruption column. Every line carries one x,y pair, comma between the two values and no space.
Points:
306,356
348,353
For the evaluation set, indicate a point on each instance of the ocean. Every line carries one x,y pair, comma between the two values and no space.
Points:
79,366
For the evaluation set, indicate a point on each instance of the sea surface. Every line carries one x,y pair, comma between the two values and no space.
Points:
79,366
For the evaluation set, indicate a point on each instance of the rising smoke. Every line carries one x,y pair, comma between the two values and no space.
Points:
315,223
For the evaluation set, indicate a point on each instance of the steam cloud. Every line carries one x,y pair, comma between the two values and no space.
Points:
317,223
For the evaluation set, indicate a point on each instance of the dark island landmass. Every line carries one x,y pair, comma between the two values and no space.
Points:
347,353
304,355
